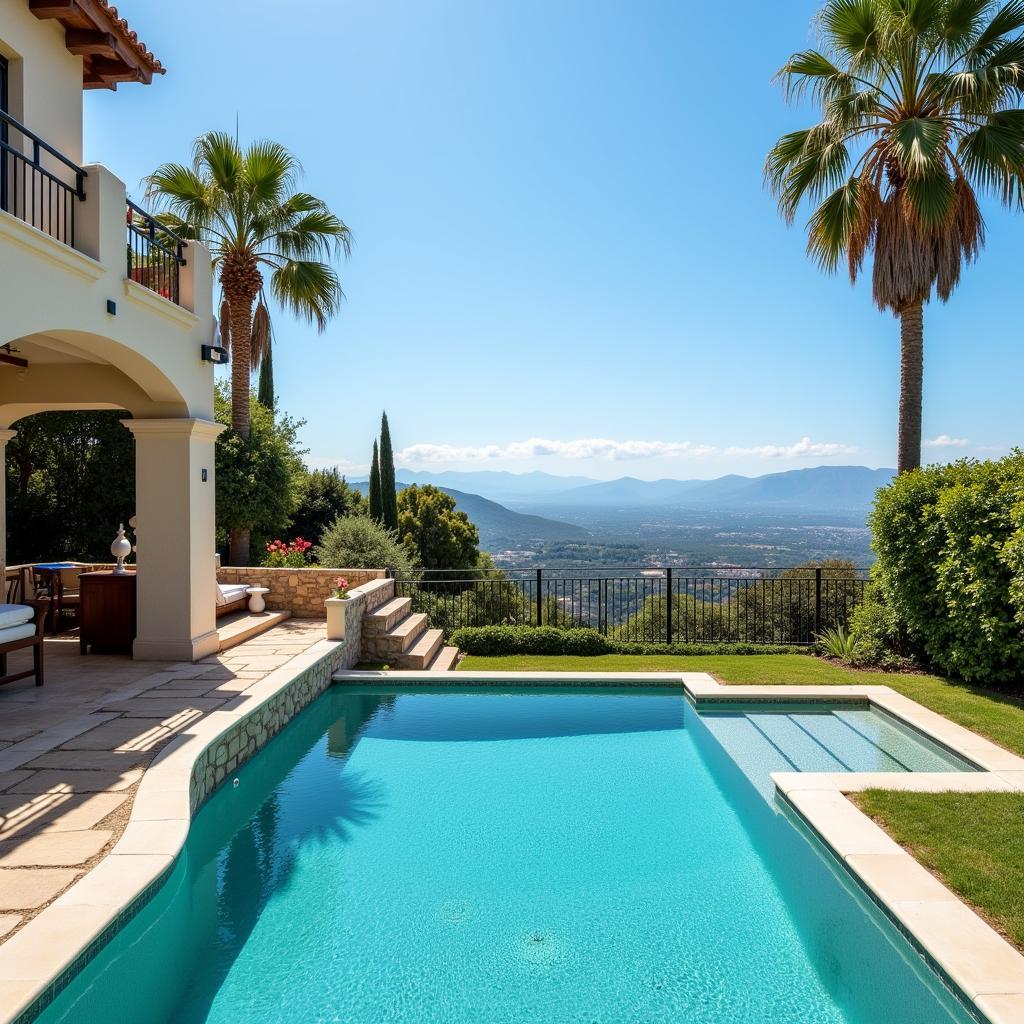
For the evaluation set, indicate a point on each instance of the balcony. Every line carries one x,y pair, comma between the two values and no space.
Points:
43,188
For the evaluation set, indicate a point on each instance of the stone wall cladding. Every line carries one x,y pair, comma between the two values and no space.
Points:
243,740
364,599
300,591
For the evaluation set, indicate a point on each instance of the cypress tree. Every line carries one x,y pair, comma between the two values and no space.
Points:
388,494
376,511
265,390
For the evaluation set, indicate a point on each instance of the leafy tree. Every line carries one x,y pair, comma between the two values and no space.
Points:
324,497
435,533
919,110
259,477
70,482
374,495
388,494
358,542
243,205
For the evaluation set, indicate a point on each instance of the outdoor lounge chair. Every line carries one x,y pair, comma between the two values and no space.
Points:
231,597
22,625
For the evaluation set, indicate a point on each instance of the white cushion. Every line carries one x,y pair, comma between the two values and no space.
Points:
11,633
229,592
15,614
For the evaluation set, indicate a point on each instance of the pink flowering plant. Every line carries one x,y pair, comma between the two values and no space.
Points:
340,588
281,555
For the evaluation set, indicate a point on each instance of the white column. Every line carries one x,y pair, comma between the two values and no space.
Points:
5,436
174,509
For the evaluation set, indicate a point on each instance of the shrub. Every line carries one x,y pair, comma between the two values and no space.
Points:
950,546
491,641
836,642
877,636
281,555
358,542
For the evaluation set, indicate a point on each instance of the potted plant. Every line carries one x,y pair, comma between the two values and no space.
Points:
336,604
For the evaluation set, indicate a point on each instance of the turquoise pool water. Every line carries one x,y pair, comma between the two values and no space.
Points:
478,857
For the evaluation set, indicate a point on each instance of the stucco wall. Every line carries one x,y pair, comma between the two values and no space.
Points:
45,80
301,591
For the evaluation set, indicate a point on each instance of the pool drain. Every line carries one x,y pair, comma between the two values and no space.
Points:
541,948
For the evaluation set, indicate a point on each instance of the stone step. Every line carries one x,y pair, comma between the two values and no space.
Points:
404,634
233,630
422,653
381,620
445,660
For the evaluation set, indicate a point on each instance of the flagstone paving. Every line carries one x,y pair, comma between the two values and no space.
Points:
72,753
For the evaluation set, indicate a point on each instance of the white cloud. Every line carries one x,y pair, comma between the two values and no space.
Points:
804,448
945,441
605,448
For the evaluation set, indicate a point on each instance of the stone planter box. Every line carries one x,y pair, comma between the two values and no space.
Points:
336,614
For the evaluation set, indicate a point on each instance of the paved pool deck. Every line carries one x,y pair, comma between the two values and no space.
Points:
73,752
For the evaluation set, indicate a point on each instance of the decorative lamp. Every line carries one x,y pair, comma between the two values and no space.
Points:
120,549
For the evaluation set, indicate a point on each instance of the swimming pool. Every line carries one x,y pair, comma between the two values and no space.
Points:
541,856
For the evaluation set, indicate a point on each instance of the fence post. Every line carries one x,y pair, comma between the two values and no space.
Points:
540,621
817,602
668,605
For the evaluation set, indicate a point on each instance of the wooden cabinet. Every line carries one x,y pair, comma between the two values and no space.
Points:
107,612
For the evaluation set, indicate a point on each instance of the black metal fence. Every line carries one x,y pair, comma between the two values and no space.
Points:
155,254
668,605
38,184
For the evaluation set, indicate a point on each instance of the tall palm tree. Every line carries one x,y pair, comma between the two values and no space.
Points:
243,205
917,99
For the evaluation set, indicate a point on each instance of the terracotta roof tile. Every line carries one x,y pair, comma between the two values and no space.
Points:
120,26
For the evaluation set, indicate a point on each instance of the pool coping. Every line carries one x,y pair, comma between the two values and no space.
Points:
975,961
39,961
42,958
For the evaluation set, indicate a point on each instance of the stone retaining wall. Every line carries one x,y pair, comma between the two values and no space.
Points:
362,600
300,591
242,741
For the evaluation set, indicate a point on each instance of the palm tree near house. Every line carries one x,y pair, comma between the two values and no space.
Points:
243,204
920,111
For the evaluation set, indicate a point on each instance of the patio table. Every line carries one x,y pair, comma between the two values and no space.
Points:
49,576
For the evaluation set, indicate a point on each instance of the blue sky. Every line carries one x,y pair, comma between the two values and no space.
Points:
564,255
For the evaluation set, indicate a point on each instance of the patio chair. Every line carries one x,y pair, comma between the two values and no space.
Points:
69,597
23,625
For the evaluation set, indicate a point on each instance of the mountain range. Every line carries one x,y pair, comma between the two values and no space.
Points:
818,489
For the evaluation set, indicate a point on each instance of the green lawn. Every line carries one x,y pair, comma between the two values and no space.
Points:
995,715
973,841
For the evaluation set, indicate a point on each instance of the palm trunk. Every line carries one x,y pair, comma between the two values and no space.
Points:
911,375
241,361
241,371
238,547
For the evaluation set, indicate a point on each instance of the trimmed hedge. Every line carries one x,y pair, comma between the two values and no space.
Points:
490,641
950,546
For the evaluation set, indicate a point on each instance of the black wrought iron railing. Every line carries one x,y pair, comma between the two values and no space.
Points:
667,605
155,254
38,184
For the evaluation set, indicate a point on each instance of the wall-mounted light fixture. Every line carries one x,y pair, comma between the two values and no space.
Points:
214,354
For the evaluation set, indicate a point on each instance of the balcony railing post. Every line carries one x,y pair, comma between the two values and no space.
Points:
540,619
817,602
668,605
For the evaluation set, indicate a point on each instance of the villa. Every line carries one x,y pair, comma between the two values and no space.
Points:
266,822
84,327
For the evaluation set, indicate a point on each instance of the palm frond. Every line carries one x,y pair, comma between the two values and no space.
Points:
832,224
260,344
308,289
918,143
